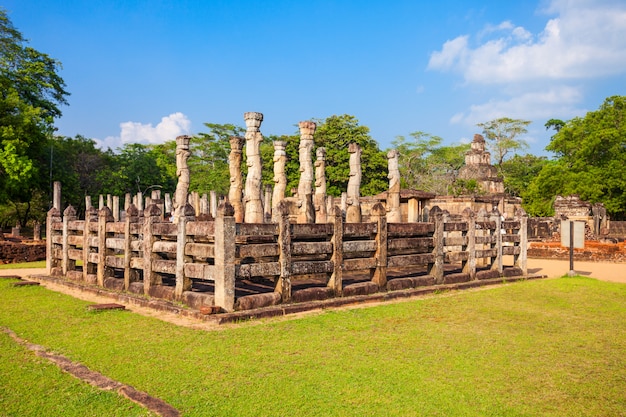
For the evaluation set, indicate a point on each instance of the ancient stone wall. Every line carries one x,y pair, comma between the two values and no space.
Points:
201,263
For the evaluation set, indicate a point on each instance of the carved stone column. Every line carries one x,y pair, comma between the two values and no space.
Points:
353,211
393,195
305,186
252,194
280,179
236,187
182,172
319,199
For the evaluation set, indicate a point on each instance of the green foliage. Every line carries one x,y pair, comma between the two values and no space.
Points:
428,166
136,169
591,156
335,133
208,163
466,187
31,92
503,134
520,170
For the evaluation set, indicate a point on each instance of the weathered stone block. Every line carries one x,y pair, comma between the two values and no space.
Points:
361,288
512,272
197,299
456,278
162,291
490,274
312,294
250,302
136,287
115,284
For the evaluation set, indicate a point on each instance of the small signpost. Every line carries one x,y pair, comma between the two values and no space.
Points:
572,236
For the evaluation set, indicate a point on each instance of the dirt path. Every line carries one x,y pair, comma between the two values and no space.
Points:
605,271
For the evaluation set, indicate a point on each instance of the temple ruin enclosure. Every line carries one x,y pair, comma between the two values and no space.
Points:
253,250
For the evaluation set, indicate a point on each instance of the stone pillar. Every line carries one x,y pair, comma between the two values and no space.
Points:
128,200
36,232
56,195
283,283
87,202
336,279
90,268
353,211
104,216
305,189
253,212
436,267
394,215
67,264
152,215
225,232
319,200
236,187
52,261
413,210
168,203
379,274
183,282
182,172
521,260
116,208
194,200
130,275
139,204
204,204
497,262
469,266
110,202
280,179
213,204
100,202
267,204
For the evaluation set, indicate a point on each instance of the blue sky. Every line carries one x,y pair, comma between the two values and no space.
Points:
147,71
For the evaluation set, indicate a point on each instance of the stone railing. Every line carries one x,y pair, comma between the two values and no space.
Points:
230,266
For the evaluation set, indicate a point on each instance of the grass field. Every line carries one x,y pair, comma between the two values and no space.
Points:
537,348
24,265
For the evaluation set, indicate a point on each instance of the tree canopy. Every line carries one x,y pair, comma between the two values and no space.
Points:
31,93
427,165
591,156
503,136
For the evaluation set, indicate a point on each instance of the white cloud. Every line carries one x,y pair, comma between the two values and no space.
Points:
532,105
587,39
175,124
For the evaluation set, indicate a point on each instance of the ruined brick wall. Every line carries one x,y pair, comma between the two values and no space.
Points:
617,229
12,252
593,251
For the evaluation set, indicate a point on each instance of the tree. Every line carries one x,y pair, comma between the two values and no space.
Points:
591,156
503,136
77,163
426,165
208,162
335,133
136,169
31,92
555,124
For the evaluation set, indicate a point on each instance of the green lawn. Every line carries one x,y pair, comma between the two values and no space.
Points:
537,348
23,265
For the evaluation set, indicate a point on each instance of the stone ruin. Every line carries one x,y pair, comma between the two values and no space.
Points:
243,255
478,167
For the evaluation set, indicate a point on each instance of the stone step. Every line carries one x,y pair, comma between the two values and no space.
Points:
24,283
105,306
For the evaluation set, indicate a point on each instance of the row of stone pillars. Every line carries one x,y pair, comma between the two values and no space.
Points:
312,205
